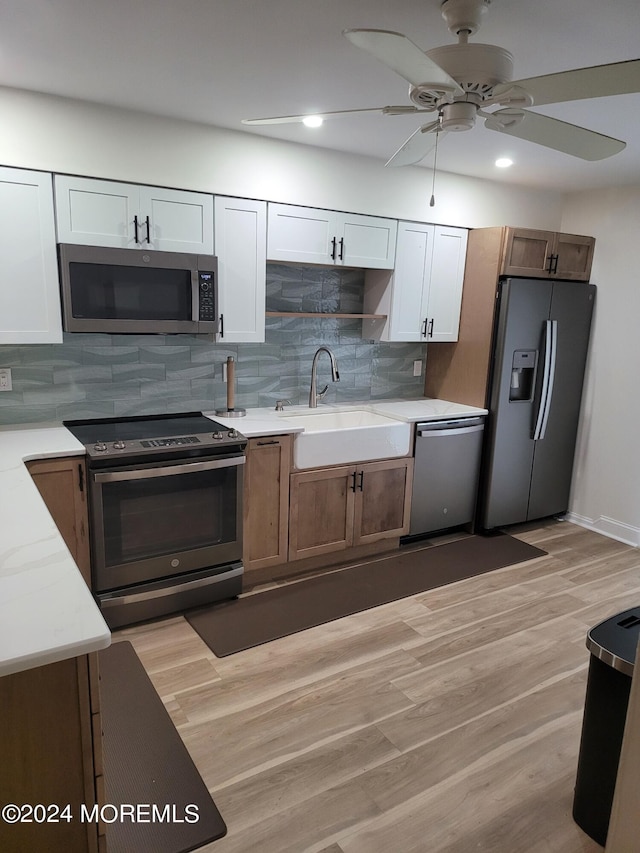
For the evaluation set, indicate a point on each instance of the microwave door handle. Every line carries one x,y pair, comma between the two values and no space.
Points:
218,317
166,470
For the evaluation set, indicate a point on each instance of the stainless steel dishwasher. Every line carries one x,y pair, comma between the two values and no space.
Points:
446,473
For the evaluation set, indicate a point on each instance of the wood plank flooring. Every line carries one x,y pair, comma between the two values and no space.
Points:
447,722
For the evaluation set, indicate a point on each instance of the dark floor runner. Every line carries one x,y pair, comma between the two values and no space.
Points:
146,762
232,626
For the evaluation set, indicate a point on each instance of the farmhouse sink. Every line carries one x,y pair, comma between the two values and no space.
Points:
336,438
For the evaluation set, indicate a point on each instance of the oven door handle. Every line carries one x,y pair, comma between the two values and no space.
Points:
117,600
167,470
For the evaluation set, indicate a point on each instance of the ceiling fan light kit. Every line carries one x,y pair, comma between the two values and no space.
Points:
458,116
460,81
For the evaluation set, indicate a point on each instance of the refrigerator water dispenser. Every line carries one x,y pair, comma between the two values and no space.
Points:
522,373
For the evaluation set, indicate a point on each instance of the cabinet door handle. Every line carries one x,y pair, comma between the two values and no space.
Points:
353,484
361,480
423,330
341,255
266,443
333,248
81,478
148,224
430,333
553,264
135,228
221,328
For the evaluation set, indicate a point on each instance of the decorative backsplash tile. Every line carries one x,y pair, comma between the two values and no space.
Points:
111,375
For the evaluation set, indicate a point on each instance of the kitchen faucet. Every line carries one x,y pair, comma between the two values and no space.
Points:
314,395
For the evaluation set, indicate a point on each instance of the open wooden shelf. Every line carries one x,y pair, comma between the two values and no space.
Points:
326,314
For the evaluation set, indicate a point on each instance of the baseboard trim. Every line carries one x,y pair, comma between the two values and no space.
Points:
608,527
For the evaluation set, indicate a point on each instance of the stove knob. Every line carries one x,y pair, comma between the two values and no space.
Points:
119,445
217,435
233,433
100,446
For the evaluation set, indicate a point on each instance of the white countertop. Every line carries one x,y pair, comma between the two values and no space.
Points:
47,613
269,422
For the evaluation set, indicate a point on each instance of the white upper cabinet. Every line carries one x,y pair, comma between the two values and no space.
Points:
447,278
300,234
367,241
106,213
29,291
307,236
241,245
421,298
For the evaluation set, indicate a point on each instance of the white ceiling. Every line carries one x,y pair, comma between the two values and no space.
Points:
219,61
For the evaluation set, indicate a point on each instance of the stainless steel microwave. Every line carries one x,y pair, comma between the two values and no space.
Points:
136,291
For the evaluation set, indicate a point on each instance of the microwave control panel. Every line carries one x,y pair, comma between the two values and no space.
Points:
207,305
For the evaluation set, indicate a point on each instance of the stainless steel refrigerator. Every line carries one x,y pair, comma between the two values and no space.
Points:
540,344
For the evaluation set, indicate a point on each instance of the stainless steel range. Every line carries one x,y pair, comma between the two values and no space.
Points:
165,504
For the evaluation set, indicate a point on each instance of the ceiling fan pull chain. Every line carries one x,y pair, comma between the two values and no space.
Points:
432,200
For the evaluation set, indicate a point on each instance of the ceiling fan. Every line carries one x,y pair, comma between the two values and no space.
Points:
460,81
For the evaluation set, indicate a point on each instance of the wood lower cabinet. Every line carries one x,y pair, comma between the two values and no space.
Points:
50,750
266,501
62,484
382,500
332,509
321,511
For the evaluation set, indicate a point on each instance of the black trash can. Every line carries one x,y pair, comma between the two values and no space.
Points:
613,645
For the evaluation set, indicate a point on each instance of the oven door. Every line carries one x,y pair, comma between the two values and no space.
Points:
165,519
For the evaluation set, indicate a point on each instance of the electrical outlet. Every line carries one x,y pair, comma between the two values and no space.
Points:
5,379
417,367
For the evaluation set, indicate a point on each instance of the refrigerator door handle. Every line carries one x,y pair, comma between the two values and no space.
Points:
548,376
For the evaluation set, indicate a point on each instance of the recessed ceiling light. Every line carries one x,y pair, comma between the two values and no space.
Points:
504,162
312,121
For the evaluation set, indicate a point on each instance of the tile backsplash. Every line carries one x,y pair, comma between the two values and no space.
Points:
110,375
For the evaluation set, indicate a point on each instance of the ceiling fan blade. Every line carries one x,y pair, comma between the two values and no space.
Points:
416,147
397,110
618,78
330,114
404,57
552,133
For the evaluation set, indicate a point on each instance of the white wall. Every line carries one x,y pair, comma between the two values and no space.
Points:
606,487
61,135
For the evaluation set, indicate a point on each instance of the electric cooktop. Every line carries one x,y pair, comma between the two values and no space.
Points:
109,438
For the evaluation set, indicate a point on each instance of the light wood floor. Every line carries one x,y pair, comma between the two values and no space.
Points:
448,721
